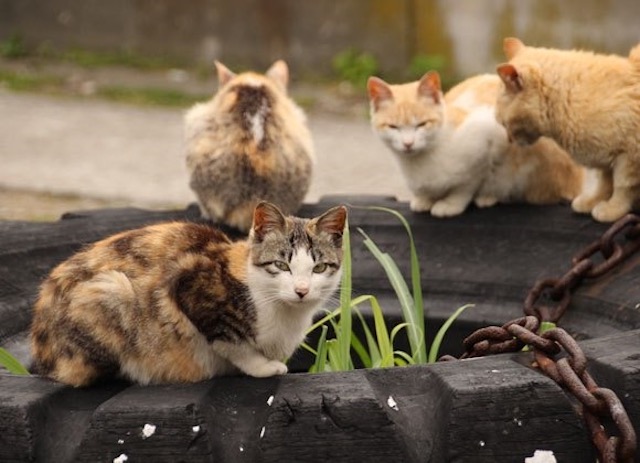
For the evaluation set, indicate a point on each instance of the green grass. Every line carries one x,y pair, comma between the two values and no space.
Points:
12,364
149,96
377,349
22,82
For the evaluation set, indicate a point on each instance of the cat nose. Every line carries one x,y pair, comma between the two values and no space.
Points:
407,144
302,291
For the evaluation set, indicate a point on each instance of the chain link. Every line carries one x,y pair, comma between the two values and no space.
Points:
547,301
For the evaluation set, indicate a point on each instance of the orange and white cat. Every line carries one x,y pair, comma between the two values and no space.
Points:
590,105
452,150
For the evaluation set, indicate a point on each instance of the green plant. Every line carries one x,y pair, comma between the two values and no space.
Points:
13,47
354,66
422,63
12,364
377,350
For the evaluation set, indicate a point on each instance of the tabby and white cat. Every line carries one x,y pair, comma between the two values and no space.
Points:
180,302
250,142
452,150
590,105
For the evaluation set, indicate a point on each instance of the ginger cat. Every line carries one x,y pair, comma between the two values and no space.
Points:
249,143
451,149
590,105
179,302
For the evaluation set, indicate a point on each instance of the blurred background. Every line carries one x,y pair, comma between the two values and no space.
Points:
92,92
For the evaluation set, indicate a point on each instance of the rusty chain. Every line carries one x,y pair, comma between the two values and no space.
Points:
556,353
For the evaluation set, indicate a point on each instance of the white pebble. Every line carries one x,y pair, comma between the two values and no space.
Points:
120,441
270,400
148,430
241,448
541,456
482,443
121,459
196,429
262,431
392,403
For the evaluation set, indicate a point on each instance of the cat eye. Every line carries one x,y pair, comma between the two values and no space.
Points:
421,124
283,266
320,268
393,126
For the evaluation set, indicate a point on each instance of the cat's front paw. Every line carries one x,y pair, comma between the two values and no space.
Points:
420,204
269,368
607,211
583,204
445,208
485,201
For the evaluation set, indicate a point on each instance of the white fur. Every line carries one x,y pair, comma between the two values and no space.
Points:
444,167
282,315
257,122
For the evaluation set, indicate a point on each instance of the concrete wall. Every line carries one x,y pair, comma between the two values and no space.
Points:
309,33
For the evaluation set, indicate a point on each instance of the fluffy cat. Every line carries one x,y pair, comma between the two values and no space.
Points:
590,105
180,302
249,143
452,150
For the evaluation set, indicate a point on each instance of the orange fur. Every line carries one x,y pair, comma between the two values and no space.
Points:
540,174
590,105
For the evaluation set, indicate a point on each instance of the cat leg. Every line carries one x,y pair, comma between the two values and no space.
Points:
248,360
420,203
454,203
626,189
596,188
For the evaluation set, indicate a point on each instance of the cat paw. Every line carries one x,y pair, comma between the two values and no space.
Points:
269,368
485,201
583,204
607,212
447,209
420,205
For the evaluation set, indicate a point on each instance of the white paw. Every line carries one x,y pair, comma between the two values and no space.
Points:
420,204
445,208
269,368
486,201
583,204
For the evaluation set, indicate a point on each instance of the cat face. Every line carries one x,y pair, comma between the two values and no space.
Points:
520,107
295,262
407,117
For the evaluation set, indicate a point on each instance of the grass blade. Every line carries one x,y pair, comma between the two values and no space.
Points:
343,334
12,364
435,345
414,330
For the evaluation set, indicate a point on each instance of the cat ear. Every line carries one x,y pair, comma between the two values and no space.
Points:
332,222
279,72
512,46
509,75
224,74
430,86
379,91
266,218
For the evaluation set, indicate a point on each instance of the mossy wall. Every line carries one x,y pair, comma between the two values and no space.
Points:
462,37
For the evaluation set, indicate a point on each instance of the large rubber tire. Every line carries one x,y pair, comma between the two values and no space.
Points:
482,410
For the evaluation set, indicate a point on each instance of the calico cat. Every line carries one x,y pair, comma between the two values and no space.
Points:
590,105
451,149
180,302
250,142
